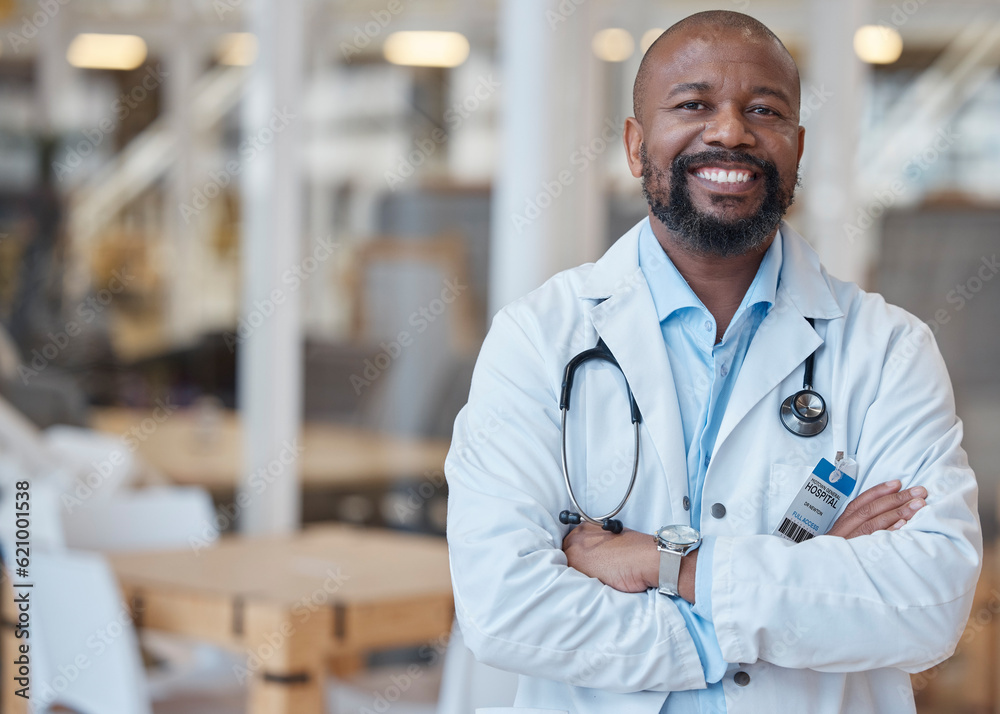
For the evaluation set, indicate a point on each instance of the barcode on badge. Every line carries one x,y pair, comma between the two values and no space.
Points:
795,532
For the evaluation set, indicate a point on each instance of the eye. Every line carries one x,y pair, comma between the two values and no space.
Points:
764,112
691,105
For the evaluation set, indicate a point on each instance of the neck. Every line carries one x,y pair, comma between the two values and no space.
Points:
719,282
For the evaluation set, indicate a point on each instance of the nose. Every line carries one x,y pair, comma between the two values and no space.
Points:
728,129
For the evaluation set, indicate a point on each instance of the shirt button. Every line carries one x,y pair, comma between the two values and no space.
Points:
718,510
724,370
708,325
741,678
708,459
687,503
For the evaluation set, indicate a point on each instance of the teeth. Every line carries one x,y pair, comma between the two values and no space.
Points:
724,176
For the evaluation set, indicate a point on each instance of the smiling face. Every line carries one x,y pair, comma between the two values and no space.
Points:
718,141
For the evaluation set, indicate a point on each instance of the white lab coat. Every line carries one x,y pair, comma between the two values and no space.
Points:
827,625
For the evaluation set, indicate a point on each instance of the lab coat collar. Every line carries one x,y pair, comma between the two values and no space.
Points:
802,279
626,319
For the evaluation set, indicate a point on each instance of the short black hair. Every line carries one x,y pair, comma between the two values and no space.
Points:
750,26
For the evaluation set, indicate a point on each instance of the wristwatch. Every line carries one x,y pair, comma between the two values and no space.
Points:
674,542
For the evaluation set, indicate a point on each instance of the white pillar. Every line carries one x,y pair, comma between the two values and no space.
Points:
548,210
585,135
183,64
270,365
832,95
55,87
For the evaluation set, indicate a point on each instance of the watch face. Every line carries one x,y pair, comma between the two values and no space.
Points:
679,535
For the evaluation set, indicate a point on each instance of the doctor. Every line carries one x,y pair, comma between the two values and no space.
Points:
711,306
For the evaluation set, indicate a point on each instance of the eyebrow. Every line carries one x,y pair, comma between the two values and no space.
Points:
771,92
705,86
689,87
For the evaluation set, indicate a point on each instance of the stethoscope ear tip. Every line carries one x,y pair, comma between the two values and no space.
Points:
568,518
613,525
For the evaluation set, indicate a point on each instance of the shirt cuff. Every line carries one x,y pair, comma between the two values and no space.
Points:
698,617
703,579
705,642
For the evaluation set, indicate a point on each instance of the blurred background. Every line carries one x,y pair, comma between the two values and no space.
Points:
249,250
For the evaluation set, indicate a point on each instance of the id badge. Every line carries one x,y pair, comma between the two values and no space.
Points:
815,506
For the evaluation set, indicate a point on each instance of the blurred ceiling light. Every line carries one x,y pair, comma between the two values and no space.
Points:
91,51
426,49
878,44
237,49
649,37
613,44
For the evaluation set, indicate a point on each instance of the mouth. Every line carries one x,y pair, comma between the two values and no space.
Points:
726,178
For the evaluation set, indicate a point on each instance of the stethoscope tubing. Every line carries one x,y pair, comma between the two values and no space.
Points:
607,522
789,415
599,520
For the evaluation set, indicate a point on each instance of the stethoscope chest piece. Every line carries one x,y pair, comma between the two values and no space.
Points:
804,413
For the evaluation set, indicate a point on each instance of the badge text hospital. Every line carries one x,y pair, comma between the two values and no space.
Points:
814,508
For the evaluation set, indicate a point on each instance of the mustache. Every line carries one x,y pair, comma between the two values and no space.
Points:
703,233
686,161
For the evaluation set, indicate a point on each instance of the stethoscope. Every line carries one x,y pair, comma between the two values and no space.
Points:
803,413
608,521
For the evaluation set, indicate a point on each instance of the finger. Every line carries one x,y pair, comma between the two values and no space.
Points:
850,523
893,519
874,493
870,496
851,520
895,501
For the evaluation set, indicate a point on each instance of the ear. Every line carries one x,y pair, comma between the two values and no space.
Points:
632,138
802,145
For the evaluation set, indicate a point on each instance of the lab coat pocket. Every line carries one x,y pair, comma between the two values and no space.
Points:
786,480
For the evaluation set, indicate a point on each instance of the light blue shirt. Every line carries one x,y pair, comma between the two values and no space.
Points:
704,374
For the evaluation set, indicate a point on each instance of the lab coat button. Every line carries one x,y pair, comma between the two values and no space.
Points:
741,678
718,510
687,503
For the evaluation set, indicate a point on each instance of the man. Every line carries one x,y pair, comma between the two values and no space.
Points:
712,307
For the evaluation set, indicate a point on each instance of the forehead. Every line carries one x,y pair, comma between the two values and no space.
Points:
716,55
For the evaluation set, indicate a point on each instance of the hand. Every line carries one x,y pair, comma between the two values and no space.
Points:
628,561
880,508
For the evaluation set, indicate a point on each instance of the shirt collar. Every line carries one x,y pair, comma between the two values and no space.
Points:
671,291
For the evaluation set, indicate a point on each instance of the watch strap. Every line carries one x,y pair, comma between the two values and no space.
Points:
670,570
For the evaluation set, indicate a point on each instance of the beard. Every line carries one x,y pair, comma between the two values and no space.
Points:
702,233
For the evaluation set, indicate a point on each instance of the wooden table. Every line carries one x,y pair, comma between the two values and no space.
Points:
205,449
292,604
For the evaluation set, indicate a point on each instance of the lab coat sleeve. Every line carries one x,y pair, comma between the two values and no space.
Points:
519,605
890,599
